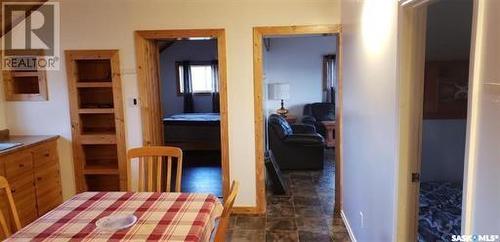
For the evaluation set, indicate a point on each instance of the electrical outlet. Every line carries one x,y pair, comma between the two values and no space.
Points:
361,220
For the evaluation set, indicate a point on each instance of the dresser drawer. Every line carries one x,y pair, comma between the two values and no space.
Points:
45,155
18,164
17,183
46,174
48,188
25,200
48,200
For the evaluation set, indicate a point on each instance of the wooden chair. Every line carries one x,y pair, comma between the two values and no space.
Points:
220,234
4,185
150,160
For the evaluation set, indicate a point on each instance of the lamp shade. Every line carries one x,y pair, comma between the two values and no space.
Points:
278,91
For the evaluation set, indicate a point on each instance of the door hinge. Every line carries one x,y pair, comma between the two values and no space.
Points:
415,177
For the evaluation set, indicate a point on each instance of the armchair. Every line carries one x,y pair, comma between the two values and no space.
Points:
314,113
295,147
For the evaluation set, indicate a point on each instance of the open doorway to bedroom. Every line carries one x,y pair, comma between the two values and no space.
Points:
434,92
183,101
444,121
189,76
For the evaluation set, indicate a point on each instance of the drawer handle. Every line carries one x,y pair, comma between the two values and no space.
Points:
21,165
46,154
13,190
39,178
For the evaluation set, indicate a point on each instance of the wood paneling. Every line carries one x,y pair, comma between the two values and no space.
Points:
258,34
147,54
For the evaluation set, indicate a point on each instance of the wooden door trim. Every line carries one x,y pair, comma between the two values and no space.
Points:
258,34
147,57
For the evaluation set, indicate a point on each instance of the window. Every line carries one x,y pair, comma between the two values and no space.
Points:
202,78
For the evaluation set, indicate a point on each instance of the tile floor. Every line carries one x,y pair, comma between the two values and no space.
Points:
306,214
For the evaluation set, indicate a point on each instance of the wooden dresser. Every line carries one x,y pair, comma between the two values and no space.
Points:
32,170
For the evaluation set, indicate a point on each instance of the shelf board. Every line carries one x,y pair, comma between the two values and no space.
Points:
93,84
24,73
96,110
100,170
90,139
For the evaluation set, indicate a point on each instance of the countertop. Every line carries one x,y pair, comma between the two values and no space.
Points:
27,141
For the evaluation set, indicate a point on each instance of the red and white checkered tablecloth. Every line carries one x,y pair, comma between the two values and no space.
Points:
160,216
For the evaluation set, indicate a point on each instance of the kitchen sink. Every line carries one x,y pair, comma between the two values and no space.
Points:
6,146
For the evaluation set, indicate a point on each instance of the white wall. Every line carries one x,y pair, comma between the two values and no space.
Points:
482,181
443,150
298,61
370,118
184,50
107,24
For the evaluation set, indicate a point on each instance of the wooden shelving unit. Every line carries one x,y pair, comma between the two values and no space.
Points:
97,120
25,85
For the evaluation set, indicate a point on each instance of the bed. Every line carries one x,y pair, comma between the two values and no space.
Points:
440,211
193,131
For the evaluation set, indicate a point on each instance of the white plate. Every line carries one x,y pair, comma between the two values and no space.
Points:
116,222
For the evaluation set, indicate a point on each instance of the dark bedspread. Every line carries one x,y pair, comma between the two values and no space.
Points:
193,131
440,211
193,117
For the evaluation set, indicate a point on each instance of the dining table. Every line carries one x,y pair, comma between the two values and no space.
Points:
160,217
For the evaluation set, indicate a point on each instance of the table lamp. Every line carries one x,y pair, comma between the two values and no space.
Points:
279,91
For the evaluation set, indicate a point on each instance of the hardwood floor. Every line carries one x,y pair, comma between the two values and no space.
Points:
202,179
306,214
202,173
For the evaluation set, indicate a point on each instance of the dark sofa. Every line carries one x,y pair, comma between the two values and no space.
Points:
295,147
314,113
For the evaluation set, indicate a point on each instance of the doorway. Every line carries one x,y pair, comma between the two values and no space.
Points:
435,43
444,121
148,45
260,33
191,110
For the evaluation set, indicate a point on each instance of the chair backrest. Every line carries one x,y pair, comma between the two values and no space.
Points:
279,126
151,161
320,111
4,185
220,234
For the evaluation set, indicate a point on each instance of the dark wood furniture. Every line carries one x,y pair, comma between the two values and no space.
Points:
32,170
291,119
97,120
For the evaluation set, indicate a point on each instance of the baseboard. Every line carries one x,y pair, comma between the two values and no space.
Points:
348,226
